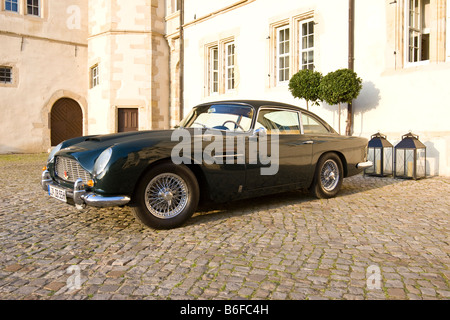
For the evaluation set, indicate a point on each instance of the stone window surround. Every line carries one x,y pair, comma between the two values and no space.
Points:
230,75
439,47
43,9
94,78
221,46
294,23
14,76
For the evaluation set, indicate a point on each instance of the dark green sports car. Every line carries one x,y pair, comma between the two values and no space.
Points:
221,151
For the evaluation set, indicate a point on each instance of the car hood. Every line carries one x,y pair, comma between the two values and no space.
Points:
87,149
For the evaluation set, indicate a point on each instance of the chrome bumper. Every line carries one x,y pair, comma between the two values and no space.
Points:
364,165
83,198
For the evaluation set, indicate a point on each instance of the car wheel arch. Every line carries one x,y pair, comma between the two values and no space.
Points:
317,188
339,154
344,162
194,168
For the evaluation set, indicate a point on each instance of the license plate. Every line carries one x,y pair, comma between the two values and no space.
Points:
57,193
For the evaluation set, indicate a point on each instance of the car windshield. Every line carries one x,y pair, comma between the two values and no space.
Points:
220,117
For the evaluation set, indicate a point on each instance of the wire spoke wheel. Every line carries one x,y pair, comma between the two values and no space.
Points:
166,195
329,175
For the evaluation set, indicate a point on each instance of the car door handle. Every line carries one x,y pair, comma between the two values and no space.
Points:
308,142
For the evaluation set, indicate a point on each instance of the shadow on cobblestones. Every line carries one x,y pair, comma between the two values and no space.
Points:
286,247
218,211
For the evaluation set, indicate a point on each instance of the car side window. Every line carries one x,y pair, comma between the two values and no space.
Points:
312,126
278,121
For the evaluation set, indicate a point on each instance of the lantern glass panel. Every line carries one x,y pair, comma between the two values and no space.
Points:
371,157
377,164
421,163
387,159
400,162
405,163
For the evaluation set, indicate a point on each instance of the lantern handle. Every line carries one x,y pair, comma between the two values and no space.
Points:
410,135
378,135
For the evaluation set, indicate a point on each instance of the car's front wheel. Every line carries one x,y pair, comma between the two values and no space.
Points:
328,177
166,197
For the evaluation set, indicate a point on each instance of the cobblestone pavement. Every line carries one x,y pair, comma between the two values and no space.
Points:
285,247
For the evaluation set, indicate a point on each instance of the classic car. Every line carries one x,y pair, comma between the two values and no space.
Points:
216,154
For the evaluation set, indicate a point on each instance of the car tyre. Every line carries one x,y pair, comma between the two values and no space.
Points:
328,177
166,197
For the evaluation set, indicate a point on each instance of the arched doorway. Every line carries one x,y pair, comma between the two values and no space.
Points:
66,121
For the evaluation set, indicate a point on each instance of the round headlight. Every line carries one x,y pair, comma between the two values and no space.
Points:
53,152
102,161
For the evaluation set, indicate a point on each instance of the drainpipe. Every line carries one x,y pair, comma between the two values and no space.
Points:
351,59
181,111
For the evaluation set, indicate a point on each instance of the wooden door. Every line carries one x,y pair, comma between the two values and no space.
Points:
128,119
66,121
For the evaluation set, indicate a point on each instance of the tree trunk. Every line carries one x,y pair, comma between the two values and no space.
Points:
348,130
339,118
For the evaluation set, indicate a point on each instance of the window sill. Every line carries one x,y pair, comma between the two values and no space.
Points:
8,85
282,84
32,16
417,64
425,66
12,13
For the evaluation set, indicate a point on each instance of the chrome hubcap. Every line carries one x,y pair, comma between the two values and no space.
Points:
329,175
166,195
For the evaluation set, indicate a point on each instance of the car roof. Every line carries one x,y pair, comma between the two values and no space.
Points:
255,103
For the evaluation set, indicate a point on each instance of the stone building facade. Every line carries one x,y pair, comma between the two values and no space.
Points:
80,67
142,64
126,45
43,59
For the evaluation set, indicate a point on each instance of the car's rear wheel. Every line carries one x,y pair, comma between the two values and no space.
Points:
166,197
328,177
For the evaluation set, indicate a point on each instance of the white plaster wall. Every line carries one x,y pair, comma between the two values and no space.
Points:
200,8
250,27
393,101
396,99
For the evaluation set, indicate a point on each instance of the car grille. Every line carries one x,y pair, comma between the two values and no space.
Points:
70,170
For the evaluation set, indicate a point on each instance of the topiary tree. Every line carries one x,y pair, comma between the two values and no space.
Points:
340,86
305,85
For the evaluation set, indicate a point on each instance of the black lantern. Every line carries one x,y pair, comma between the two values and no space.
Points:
410,158
381,153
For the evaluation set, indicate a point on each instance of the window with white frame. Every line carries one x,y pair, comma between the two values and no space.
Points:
220,65
283,54
213,70
418,30
33,7
6,75
12,5
229,65
307,44
95,76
